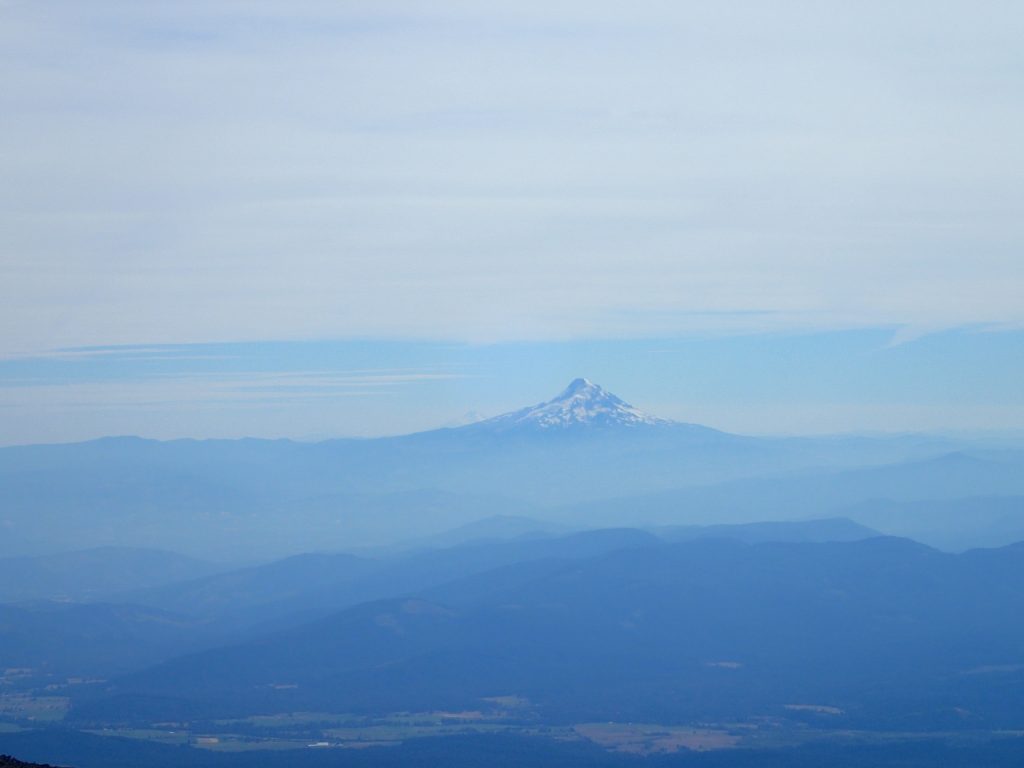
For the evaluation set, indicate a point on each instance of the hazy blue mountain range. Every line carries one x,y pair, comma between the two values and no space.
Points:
894,498
961,523
142,625
831,529
94,573
491,527
876,632
317,584
570,563
53,641
585,458
820,629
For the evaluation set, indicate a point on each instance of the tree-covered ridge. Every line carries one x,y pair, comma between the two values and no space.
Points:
6,761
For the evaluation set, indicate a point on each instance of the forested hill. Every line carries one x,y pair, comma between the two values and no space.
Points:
6,761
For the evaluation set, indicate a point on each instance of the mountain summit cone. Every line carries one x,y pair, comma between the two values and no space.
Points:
581,404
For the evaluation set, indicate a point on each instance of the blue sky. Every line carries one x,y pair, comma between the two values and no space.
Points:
489,199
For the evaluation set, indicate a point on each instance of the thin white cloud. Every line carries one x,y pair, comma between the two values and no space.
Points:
215,171
236,404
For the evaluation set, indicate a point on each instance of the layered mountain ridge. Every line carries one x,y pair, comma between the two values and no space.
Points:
586,457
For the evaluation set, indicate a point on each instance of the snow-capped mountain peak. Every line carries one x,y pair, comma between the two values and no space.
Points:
582,403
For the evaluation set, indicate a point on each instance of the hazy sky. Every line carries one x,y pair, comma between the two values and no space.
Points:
540,176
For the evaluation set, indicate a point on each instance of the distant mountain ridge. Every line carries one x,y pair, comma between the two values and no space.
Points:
579,459
94,573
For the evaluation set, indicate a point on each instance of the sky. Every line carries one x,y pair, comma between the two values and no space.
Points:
304,218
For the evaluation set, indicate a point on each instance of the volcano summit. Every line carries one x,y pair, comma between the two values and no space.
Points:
581,404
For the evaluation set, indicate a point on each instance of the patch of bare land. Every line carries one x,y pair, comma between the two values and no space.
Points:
645,739
821,709
24,706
